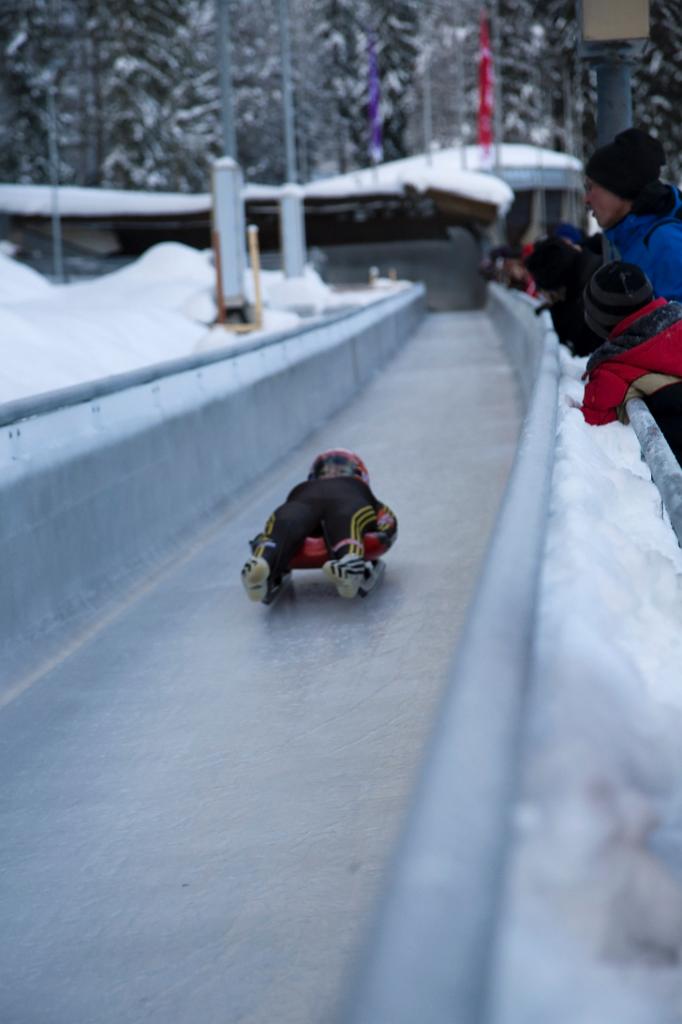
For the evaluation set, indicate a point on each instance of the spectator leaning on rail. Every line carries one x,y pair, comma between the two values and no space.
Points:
639,214
561,270
642,354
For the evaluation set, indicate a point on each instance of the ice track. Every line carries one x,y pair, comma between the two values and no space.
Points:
199,799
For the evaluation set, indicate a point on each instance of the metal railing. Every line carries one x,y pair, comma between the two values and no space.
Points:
664,467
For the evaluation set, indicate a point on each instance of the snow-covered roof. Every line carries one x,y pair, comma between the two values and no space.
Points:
442,172
36,201
456,171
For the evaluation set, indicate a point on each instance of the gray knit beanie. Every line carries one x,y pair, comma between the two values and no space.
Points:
613,292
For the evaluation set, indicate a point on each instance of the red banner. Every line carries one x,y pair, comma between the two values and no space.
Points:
485,96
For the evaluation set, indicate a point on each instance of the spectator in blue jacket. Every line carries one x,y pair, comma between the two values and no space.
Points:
639,214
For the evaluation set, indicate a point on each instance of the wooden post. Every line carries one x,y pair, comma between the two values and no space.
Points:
220,299
254,256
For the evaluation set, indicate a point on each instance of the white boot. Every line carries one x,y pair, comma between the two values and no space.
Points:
347,574
255,578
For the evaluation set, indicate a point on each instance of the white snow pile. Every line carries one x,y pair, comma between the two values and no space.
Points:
18,281
595,928
53,336
157,308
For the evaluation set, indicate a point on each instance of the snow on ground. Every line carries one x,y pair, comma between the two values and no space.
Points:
596,913
157,308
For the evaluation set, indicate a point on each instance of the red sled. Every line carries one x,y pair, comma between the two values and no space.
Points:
313,552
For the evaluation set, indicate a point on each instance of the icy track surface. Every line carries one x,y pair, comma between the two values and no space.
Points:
200,798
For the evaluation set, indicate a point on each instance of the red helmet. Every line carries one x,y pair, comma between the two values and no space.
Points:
338,462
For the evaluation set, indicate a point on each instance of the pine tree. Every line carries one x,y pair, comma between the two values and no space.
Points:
396,23
33,67
342,41
137,96
162,124
657,84
257,85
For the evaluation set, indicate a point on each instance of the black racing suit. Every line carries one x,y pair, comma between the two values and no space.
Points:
341,509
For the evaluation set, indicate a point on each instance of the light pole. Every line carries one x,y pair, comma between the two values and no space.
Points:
428,108
53,149
291,208
287,92
613,37
461,34
225,71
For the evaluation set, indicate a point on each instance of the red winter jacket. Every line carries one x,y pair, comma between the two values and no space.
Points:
645,347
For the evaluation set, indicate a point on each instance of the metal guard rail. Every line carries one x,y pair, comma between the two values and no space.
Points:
430,958
664,467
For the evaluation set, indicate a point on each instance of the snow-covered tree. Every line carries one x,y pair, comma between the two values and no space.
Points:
137,95
395,23
657,84
33,64
162,123
257,84
341,39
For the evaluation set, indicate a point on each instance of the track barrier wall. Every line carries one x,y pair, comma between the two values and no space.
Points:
431,955
99,480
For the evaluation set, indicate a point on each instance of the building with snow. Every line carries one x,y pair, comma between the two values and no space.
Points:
424,217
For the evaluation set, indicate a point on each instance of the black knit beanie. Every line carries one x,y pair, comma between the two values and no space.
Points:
613,292
551,263
627,164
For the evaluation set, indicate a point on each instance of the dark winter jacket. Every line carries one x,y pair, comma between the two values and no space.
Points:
651,237
642,358
343,492
568,316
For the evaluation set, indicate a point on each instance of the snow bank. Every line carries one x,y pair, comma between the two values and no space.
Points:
159,307
20,282
54,336
596,915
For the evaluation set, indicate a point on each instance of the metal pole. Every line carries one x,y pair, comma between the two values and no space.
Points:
614,99
287,93
664,467
569,136
459,99
225,71
53,145
460,36
428,110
